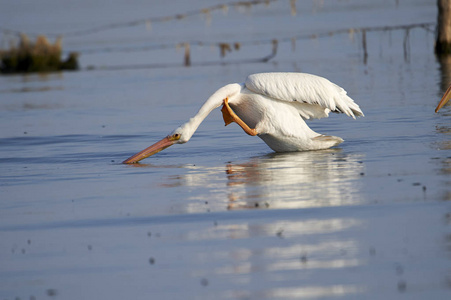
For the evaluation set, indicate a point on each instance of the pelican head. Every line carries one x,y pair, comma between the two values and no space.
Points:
179,136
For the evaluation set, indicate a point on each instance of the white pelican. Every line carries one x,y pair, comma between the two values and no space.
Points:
273,106
444,99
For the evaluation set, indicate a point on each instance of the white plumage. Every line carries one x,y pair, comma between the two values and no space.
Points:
273,106
304,88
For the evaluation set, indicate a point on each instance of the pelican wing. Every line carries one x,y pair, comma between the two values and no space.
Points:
312,95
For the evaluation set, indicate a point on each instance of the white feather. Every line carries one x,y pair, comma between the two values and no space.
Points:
315,96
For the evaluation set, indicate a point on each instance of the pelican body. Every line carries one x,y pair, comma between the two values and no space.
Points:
274,107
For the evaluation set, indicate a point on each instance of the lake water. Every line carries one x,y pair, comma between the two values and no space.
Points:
223,216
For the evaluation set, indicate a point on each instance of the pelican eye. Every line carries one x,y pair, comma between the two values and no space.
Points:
176,136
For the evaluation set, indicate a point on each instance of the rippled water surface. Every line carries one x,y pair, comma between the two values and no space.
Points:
223,216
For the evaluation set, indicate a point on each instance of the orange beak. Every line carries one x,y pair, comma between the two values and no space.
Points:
445,99
155,148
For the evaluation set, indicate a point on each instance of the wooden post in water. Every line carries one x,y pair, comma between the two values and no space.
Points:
443,42
187,55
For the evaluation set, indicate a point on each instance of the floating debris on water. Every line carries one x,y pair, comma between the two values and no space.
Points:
304,258
399,270
372,251
402,285
52,292
204,282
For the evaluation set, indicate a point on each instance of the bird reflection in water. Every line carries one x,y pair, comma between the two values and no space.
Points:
286,180
295,180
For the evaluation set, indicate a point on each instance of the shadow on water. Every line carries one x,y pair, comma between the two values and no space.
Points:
218,217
